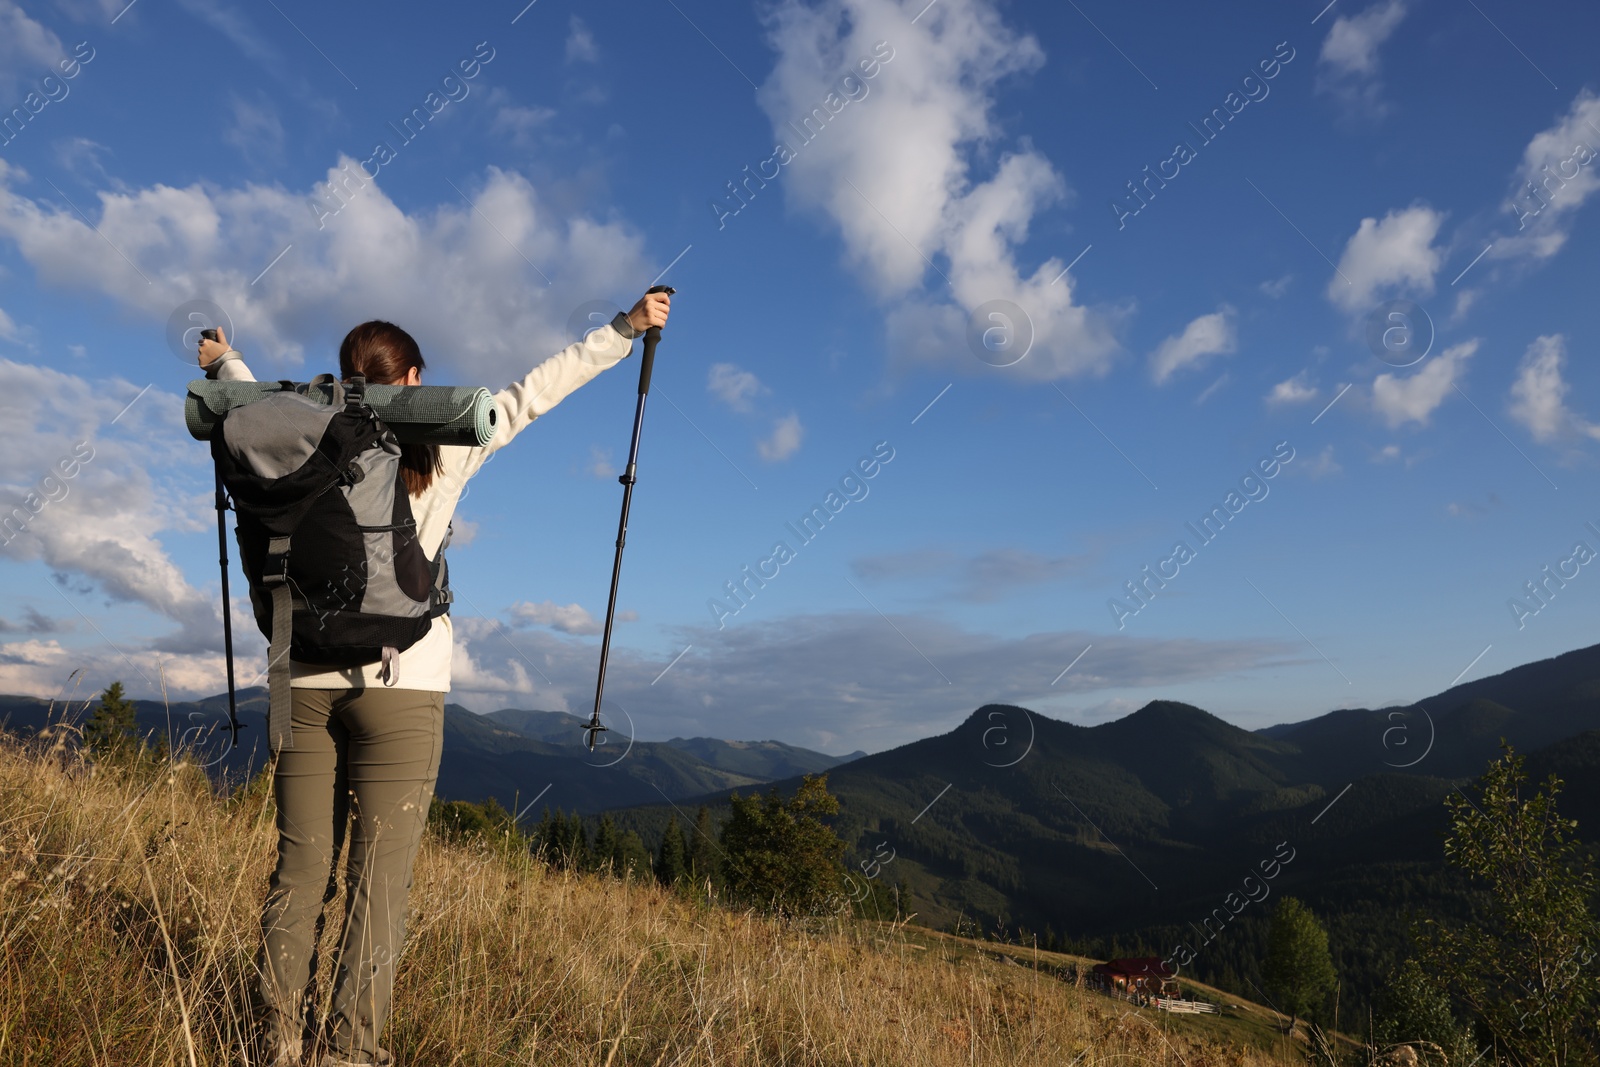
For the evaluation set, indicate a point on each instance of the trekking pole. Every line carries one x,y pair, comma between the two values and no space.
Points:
651,337
227,605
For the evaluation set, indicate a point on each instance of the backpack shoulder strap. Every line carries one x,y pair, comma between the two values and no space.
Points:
280,699
439,569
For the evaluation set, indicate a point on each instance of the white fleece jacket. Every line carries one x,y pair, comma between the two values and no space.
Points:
426,664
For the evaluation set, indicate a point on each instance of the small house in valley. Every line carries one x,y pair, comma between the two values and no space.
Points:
1141,975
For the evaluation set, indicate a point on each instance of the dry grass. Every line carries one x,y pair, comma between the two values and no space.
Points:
129,904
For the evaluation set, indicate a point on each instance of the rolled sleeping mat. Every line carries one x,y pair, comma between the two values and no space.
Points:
418,414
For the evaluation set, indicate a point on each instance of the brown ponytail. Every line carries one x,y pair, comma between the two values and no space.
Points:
384,354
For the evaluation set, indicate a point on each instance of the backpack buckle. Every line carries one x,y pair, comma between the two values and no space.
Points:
355,392
275,566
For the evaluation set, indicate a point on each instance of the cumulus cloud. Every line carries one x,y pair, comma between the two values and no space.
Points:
733,386
565,618
28,49
894,169
736,388
1414,399
1348,66
787,433
581,47
1296,390
843,679
86,498
463,531
1555,178
1206,336
1395,255
430,271
1539,395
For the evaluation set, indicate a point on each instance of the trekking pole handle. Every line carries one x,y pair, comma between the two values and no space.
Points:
652,337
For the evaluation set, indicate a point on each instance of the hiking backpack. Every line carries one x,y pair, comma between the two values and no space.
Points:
326,536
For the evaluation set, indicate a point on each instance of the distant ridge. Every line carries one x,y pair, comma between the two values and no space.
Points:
512,755
1126,835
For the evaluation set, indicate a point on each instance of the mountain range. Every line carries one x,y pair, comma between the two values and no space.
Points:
1126,838
1131,837
512,755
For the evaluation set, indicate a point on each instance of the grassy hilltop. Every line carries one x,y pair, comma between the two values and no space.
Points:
129,898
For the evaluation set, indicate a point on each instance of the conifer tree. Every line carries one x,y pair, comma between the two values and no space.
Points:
111,730
672,858
705,858
630,856
605,844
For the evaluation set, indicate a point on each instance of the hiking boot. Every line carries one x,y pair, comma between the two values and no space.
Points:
279,1042
337,1059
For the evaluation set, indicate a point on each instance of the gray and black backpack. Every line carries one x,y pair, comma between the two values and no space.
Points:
326,536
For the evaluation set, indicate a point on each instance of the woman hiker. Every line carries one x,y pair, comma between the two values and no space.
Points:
363,747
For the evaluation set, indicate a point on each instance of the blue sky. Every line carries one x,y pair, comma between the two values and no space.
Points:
964,160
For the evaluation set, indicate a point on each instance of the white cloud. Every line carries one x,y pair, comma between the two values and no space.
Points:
843,674
1391,256
1538,396
1211,390
1414,399
516,122
257,132
600,463
1323,466
33,653
567,618
893,170
81,157
1296,390
462,532
733,386
47,668
430,272
581,47
28,49
787,434
1206,336
1348,65
127,485
1556,176
8,327
1276,287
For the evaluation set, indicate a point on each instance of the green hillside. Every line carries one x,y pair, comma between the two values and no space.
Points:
1125,838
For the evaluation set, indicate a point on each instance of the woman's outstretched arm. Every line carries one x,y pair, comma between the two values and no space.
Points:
555,378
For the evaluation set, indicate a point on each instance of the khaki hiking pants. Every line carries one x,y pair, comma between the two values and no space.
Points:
370,754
